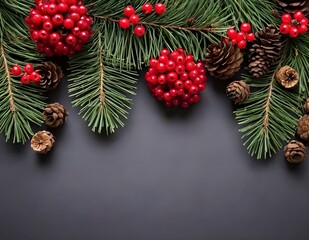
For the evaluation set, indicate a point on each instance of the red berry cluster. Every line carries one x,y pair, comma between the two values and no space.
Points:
240,38
59,27
28,76
294,26
176,79
132,18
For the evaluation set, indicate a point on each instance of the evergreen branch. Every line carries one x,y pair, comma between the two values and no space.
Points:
258,13
169,30
296,55
20,105
270,115
98,89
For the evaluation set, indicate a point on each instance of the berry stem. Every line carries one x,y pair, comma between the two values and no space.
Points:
194,29
5,64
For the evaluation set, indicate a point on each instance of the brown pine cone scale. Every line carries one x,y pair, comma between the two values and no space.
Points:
51,74
303,127
291,6
238,91
287,77
55,115
42,142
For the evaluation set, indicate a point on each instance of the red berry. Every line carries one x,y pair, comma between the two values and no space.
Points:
284,28
25,79
139,31
76,31
172,77
54,38
190,66
73,9
189,58
304,21
167,96
84,36
35,35
294,33
165,52
15,70
35,77
48,26
28,68
46,18
179,84
176,102
129,11
225,40
234,41
250,37
36,19
188,84
173,92
82,10
82,24
153,71
160,8
180,59
180,51
231,33
70,39
153,62
174,55
134,19
170,65
68,23
163,59
62,7
180,69
193,90
302,29
184,76
242,44
147,8
245,27
74,16
286,18
152,79
124,23
240,36
193,74
52,9
57,19
43,35
185,104
161,67
162,79
298,15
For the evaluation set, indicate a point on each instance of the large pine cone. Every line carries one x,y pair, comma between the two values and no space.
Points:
238,91
42,142
264,51
223,60
51,74
295,152
291,6
303,127
55,115
287,77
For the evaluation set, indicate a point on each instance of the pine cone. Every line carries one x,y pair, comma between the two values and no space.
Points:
223,60
264,51
238,91
295,152
306,106
303,127
290,6
287,77
42,142
55,115
51,74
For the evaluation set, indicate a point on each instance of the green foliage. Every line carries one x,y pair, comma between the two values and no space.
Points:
270,115
20,105
100,90
169,30
258,13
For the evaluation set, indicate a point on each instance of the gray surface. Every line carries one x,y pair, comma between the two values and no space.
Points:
165,176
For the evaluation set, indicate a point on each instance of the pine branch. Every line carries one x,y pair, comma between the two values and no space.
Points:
270,115
258,13
296,55
98,89
20,105
170,30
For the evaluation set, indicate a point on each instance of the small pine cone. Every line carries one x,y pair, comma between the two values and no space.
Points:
264,51
223,60
42,142
51,74
295,152
238,91
191,22
291,6
287,77
306,105
303,127
55,115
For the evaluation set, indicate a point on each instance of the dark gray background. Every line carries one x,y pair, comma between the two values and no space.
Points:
165,176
